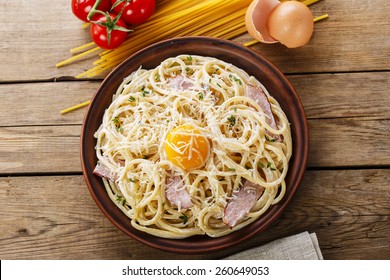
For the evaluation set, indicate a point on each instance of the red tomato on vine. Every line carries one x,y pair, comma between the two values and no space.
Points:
81,8
108,31
134,11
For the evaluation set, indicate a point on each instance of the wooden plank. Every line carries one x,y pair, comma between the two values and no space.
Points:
344,209
349,142
32,149
344,42
346,95
41,103
32,53
322,95
53,149
54,217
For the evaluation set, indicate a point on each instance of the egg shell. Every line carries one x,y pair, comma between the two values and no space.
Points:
291,23
256,19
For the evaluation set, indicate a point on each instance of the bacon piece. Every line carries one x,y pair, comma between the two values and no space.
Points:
241,203
176,193
102,171
180,82
259,96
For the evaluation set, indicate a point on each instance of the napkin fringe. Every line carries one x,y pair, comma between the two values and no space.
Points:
301,246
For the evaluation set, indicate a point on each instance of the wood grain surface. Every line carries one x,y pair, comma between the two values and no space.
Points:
341,76
354,38
348,210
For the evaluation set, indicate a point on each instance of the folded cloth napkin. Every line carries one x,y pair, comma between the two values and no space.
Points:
302,246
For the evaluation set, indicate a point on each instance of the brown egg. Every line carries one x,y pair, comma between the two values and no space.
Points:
291,23
256,19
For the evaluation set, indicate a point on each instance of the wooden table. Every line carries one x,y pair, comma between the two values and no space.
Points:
342,78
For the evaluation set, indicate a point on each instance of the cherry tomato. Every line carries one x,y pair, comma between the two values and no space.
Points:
135,11
81,8
108,32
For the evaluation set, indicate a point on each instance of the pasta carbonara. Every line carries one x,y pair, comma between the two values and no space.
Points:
194,146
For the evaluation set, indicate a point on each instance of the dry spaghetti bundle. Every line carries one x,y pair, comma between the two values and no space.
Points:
223,19
173,18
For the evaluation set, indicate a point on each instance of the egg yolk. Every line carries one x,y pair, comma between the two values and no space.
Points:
186,147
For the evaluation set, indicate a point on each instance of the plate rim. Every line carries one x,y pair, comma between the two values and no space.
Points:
169,245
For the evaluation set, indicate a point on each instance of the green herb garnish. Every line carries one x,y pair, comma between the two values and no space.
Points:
270,139
184,218
200,96
117,124
120,199
144,91
233,78
131,99
269,166
232,120
238,80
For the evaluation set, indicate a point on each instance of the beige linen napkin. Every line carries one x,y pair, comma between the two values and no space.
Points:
302,246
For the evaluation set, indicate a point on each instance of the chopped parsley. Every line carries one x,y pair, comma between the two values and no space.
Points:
131,180
120,199
269,166
144,91
117,124
237,80
233,78
232,120
189,58
200,96
270,139
187,69
131,99
184,218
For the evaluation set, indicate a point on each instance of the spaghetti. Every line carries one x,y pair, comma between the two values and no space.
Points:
173,18
182,145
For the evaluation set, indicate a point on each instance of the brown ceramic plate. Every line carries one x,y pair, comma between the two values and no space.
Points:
242,57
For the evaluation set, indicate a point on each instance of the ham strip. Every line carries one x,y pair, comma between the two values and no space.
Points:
242,202
176,193
259,96
180,82
102,171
